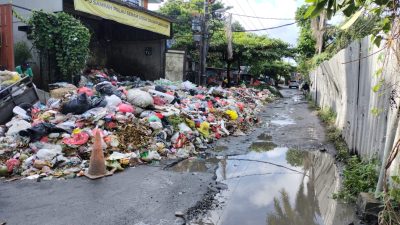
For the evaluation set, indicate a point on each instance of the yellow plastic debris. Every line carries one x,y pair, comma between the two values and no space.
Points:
232,114
190,123
204,129
14,78
76,131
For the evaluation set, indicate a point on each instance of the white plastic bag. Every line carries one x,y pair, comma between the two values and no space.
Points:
140,98
113,101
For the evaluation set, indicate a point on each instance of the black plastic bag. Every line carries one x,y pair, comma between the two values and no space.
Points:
97,102
77,105
40,130
160,89
106,88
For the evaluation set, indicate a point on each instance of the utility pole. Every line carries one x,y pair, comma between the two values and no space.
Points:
205,42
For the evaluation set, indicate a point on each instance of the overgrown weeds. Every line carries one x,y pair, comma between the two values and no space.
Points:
358,176
328,116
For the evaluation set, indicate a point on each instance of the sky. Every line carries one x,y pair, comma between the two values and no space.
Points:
264,8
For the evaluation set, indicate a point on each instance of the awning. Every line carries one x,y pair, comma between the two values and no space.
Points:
124,15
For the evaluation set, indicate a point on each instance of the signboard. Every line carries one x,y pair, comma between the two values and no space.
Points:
124,15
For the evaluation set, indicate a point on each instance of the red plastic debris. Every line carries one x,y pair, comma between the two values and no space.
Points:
86,90
77,139
182,139
125,108
11,164
159,101
240,105
159,115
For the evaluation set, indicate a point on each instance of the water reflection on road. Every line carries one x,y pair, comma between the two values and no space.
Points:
277,187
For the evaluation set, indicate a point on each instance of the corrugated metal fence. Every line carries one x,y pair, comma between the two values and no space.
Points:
345,83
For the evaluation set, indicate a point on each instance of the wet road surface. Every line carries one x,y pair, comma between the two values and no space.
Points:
280,174
274,175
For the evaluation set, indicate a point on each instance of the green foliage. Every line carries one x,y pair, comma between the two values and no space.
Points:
391,198
183,12
305,43
359,176
339,38
236,26
327,115
64,36
386,10
275,69
22,52
246,46
394,191
334,135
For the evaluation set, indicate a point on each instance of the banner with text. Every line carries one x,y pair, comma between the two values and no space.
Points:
124,15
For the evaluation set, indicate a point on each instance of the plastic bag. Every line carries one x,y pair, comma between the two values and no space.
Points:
77,105
11,164
187,85
232,114
21,112
184,128
113,101
204,129
106,88
180,141
154,118
86,90
166,97
156,125
77,139
17,126
140,98
159,101
48,152
40,130
160,88
125,108
96,102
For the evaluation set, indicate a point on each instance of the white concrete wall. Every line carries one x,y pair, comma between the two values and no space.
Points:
345,83
174,65
24,9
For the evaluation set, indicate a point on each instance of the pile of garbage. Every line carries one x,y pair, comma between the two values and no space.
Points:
139,122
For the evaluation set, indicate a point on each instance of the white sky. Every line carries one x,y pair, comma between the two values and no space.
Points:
264,8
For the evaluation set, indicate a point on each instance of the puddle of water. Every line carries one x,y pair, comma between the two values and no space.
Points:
264,137
283,122
281,186
297,98
196,165
262,146
220,148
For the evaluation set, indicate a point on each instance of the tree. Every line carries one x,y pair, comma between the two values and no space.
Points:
184,13
236,26
246,46
305,43
386,10
64,37
21,52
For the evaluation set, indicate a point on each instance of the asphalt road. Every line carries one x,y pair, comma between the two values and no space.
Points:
150,195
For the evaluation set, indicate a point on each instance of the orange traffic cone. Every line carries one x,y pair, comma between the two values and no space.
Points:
97,165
